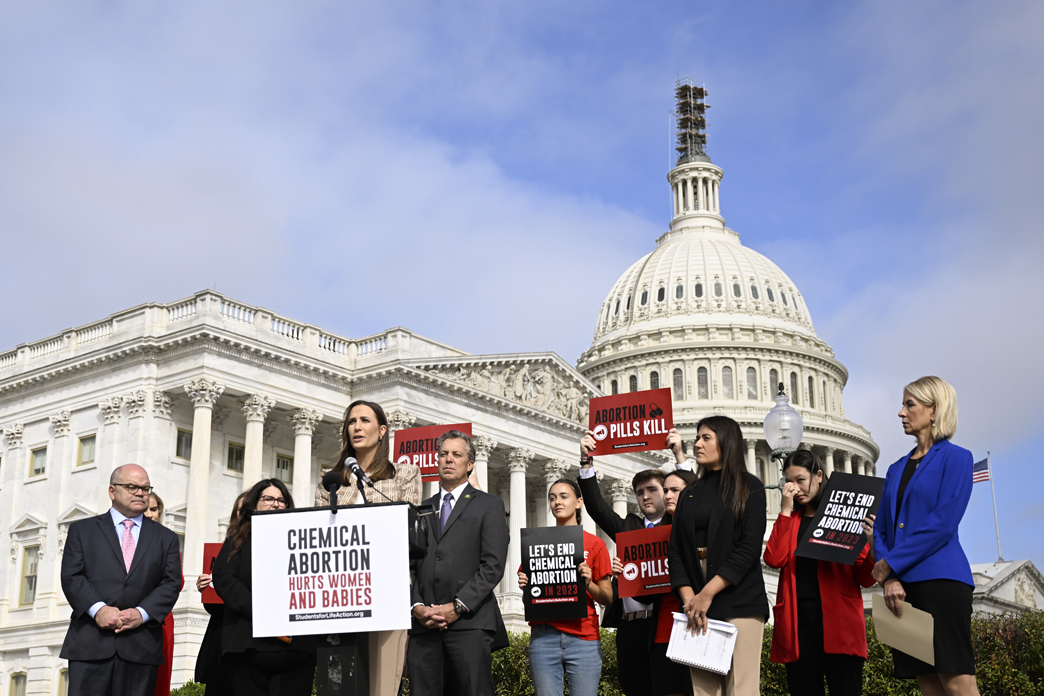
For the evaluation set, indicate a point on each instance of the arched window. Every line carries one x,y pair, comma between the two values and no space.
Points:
717,290
811,393
679,385
617,310
726,383
772,298
701,383
784,296
754,291
654,380
679,292
660,294
615,388
752,383
645,297
793,388
633,383
628,303
17,685
699,290
773,382
736,290
825,407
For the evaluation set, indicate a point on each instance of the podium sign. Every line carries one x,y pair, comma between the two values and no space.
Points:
315,572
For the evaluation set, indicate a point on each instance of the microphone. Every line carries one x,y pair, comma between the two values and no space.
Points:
331,482
357,470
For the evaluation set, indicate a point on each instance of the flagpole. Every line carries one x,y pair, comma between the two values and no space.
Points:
996,525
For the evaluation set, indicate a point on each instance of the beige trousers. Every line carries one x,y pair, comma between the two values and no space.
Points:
744,679
387,655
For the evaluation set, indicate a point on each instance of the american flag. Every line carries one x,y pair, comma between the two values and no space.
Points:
981,471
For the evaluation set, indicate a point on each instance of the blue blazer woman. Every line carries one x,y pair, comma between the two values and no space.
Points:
923,543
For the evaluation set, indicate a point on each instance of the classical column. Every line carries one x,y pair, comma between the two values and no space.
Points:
204,394
255,408
752,457
484,447
717,204
111,410
518,460
304,421
702,196
848,462
828,462
554,469
859,464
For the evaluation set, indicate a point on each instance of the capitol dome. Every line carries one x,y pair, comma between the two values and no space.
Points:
722,326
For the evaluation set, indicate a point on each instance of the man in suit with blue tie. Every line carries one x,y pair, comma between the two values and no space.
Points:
121,574
455,615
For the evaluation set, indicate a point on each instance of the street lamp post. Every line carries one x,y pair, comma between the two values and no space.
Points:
783,429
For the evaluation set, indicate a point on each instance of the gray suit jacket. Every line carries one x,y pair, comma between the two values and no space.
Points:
93,571
465,562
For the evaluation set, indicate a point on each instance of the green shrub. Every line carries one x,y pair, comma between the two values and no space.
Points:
189,689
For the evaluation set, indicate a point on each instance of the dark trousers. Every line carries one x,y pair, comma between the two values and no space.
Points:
633,639
451,663
844,673
281,673
112,677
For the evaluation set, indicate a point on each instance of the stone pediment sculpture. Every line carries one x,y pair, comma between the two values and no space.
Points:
541,383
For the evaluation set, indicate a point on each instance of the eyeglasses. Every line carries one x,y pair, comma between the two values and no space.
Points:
133,488
269,500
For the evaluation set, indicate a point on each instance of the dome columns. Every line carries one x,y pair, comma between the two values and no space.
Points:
694,188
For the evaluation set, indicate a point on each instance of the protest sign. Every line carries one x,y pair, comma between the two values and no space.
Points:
836,532
417,446
322,572
644,556
635,421
210,552
550,558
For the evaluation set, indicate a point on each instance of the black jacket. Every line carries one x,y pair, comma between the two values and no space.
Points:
232,581
733,551
93,571
465,562
611,523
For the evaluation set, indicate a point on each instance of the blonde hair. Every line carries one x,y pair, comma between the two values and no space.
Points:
934,391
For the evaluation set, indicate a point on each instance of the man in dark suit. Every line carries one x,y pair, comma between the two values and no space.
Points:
121,573
634,621
455,615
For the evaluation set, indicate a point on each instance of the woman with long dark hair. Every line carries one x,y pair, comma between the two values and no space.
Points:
918,550
154,512
208,660
715,551
819,629
364,436
274,666
572,648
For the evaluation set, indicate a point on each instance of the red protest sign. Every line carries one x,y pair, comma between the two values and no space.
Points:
417,446
210,553
644,556
636,421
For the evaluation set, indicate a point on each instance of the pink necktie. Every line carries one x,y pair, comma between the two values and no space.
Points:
128,543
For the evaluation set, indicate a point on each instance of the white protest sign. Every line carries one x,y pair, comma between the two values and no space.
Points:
315,572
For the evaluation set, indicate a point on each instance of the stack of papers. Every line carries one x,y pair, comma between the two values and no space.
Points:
711,651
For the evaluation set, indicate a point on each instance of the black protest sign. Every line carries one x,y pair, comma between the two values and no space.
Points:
836,532
550,558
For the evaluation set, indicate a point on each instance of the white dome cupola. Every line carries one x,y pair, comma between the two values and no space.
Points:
718,322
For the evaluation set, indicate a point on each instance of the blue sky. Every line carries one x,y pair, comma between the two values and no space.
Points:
482,173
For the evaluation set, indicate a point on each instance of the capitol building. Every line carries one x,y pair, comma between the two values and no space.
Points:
210,394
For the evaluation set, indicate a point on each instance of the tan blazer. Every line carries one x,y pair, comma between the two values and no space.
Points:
404,487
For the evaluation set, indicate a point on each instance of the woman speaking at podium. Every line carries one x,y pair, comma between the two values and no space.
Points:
365,437
919,554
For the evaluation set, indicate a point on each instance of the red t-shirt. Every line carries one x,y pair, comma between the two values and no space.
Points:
596,555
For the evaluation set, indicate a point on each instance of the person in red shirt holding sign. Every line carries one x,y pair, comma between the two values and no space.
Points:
819,627
559,648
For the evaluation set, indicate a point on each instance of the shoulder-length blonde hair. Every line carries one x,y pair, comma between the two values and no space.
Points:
937,392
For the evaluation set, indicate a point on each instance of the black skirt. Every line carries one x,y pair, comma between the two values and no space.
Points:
950,604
